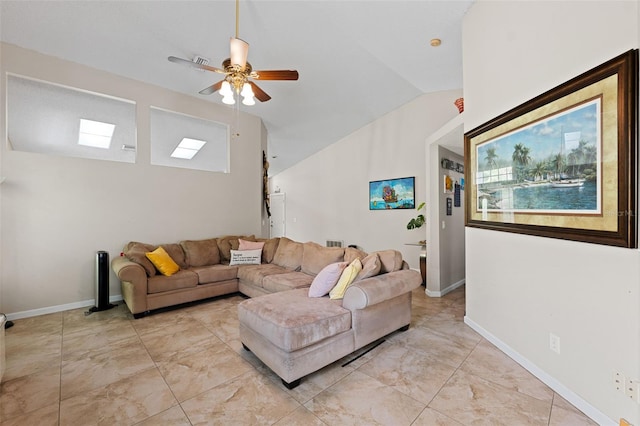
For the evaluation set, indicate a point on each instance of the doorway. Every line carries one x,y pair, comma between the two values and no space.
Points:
277,204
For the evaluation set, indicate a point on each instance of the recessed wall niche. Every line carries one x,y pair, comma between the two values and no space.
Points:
180,140
53,119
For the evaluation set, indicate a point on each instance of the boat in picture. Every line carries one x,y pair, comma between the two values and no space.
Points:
389,195
567,183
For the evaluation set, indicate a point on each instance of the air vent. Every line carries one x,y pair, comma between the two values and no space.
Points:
334,243
200,60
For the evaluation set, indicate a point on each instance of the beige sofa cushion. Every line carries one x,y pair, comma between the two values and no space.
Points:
390,261
215,273
269,248
230,242
315,257
351,254
176,253
288,281
181,279
255,274
308,320
136,252
201,252
370,267
289,254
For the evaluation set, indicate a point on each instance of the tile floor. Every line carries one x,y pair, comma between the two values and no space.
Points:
187,367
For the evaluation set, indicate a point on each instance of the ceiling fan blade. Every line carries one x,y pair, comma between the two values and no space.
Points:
275,75
211,89
260,94
239,51
194,64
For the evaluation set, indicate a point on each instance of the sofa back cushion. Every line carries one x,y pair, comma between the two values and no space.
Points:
201,252
351,254
390,261
269,248
370,267
230,242
136,252
177,254
315,257
289,254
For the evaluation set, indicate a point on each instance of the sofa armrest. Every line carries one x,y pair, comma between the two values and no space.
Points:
130,271
133,283
383,287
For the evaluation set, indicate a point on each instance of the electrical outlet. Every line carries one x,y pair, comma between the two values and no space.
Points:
631,390
618,381
554,343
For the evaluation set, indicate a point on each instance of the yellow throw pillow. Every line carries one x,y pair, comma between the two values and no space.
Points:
348,275
163,262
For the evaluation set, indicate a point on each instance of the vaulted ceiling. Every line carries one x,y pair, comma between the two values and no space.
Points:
357,60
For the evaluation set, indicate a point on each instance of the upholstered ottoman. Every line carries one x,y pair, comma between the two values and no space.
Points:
295,335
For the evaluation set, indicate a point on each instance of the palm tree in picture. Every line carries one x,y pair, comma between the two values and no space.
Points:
521,158
590,154
491,158
539,170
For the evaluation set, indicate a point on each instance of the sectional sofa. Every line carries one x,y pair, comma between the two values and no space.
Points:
288,323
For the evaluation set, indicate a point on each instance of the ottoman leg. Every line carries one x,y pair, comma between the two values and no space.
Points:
291,385
246,348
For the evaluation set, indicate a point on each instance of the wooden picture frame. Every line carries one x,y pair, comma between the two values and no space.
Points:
562,165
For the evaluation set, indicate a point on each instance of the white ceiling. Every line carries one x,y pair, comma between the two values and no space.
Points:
357,60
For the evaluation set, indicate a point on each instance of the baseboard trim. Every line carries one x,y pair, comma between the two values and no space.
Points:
58,308
449,289
582,405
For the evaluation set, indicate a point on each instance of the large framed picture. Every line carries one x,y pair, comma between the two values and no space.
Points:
562,165
390,194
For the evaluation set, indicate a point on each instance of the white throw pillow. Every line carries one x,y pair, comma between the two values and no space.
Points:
246,257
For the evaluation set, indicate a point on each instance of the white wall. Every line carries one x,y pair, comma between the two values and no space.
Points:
521,288
451,239
327,194
57,212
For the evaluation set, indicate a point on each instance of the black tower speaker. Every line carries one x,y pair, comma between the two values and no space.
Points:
102,282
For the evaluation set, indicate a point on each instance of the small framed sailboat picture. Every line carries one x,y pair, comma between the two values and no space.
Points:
562,165
389,194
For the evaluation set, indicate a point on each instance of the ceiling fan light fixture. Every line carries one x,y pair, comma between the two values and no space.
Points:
237,72
225,90
227,93
247,95
228,100
239,52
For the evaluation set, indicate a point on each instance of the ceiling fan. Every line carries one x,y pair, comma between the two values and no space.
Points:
238,72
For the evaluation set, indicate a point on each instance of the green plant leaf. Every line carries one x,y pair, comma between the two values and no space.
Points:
418,221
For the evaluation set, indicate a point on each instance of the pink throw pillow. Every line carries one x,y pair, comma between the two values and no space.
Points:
250,245
326,279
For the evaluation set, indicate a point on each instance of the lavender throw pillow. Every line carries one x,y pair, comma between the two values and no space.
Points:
326,279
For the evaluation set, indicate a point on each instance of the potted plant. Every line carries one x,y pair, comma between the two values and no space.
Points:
417,221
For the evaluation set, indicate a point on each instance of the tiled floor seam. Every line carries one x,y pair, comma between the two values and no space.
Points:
449,379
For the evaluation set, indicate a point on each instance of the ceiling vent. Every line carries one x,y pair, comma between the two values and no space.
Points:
200,60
